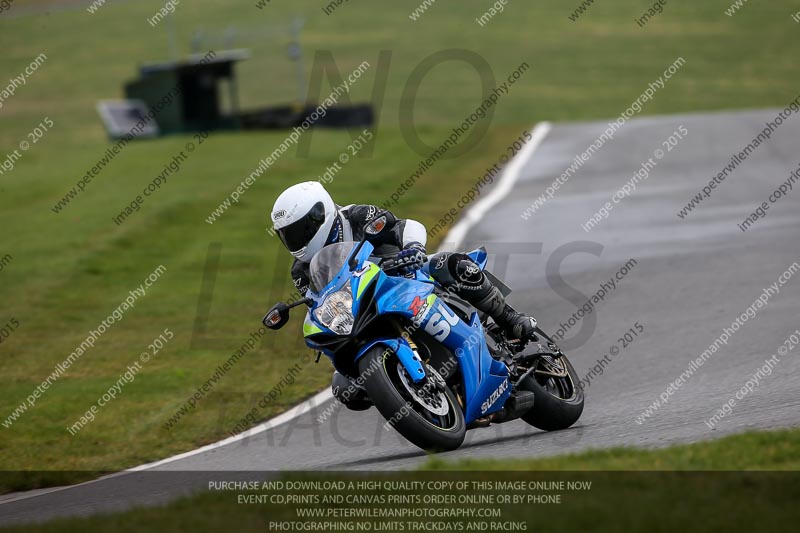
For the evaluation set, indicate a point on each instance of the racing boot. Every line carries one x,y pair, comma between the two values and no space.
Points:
350,393
515,324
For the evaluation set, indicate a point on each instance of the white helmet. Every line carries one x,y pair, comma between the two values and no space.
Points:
303,216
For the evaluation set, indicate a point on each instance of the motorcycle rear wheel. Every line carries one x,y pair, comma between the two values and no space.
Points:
558,401
405,411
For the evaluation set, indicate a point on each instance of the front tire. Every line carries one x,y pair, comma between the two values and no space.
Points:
558,401
390,391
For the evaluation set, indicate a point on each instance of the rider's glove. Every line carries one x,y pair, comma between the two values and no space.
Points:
411,258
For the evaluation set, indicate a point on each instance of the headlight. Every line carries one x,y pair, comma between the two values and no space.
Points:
336,311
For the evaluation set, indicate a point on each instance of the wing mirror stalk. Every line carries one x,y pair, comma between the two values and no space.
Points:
278,316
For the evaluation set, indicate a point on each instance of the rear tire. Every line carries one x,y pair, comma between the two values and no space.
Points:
434,433
559,401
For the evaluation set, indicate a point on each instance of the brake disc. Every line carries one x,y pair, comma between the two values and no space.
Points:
434,401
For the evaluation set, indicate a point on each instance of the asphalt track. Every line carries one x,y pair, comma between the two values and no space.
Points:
692,278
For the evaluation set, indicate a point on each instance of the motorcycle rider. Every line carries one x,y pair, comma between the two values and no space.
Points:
306,219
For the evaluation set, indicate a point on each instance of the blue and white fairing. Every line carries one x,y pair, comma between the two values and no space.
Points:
337,293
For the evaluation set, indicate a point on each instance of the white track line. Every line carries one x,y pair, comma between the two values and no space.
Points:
509,177
296,411
291,414
454,237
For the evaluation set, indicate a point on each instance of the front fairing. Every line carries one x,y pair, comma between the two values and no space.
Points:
358,280
388,294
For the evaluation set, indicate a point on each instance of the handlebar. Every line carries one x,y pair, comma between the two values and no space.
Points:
390,264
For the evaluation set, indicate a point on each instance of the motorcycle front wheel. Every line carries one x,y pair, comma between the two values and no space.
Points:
428,415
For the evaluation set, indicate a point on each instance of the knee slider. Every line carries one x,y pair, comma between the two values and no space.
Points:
466,271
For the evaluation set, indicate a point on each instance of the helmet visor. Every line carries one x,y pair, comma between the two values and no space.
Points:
298,234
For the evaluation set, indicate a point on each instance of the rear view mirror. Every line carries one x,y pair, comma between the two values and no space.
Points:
277,317
375,225
372,228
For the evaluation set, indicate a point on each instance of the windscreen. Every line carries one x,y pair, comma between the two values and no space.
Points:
328,262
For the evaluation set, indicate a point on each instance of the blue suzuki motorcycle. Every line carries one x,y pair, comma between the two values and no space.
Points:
429,362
